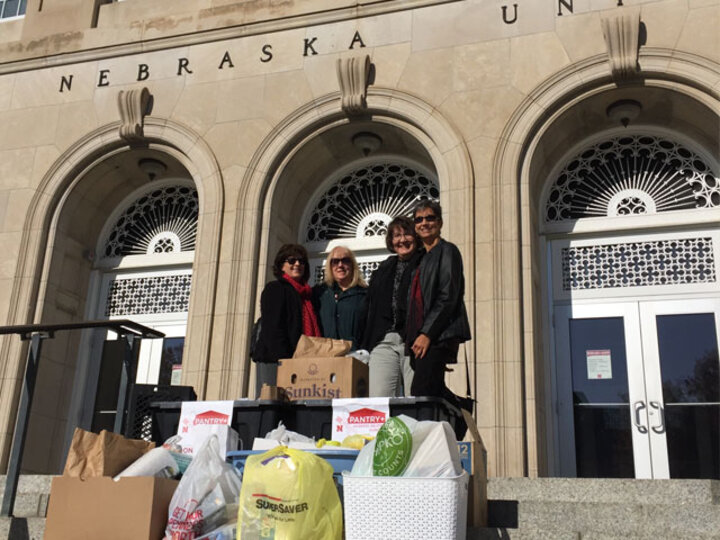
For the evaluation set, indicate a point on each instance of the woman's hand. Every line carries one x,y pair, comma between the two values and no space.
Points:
420,346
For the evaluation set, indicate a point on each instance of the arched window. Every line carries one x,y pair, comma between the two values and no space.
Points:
355,207
631,175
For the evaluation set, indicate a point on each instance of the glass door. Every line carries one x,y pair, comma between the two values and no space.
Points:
601,394
639,389
680,341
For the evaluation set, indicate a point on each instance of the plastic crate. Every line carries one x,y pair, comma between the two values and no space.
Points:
250,419
313,418
405,508
340,460
139,421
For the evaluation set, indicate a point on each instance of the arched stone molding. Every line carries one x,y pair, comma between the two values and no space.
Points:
454,170
519,309
39,232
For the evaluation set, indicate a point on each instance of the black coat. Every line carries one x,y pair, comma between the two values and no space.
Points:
375,319
281,312
442,284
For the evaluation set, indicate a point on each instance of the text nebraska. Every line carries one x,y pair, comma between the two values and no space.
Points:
183,64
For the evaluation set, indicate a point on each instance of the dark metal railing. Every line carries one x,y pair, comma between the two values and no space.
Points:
126,330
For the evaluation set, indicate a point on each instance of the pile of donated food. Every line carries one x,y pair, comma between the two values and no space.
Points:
405,482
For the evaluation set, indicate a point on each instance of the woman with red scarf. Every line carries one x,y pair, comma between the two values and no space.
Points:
287,312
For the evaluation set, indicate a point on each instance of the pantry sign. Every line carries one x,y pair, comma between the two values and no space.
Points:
358,416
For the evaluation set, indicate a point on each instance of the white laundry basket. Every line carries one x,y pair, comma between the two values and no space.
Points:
399,508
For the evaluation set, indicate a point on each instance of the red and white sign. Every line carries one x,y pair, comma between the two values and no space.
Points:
200,419
599,364
358,416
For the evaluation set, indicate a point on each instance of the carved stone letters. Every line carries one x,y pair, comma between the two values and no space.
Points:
133,106
353,76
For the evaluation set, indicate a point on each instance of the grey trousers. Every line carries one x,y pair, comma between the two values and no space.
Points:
390,371
265,373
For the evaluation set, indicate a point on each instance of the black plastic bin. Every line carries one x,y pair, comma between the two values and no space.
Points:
250,419
140,422
313,418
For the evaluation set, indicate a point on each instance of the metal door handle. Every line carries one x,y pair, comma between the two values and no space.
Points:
660,428
637,407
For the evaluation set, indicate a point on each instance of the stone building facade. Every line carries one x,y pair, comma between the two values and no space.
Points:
154,156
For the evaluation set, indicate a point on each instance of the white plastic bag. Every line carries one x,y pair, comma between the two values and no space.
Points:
206,497
434,451
284,436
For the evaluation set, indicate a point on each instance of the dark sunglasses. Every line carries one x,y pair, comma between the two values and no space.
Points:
292,260
432,218
347,261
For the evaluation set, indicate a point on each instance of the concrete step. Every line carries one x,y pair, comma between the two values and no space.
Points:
604,490
602,509
22,528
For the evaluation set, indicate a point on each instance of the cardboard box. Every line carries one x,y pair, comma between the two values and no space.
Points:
473,457
99,507
274,393
323,378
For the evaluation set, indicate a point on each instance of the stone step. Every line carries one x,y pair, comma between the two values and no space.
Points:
31,498
22,528
630,520
534,534
588,490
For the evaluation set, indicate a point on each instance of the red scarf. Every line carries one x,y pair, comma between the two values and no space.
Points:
309,320
415,315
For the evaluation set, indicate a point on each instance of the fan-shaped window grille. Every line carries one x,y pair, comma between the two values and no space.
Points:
630,175
160,221
364,201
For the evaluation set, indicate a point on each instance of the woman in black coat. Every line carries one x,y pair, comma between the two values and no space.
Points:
383,317
436,321
287,312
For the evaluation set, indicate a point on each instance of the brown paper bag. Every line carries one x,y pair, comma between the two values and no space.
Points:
319,347
106,454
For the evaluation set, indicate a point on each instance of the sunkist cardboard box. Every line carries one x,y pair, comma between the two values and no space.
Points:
100,508
319,369
323,378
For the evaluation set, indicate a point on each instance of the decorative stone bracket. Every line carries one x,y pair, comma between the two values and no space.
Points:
133,106
622,38
354,77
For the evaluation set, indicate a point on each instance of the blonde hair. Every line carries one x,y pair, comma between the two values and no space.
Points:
357,278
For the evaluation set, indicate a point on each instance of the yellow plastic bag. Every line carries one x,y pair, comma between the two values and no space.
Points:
288,494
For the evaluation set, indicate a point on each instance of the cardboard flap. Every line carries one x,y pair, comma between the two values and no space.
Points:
318,347
472,428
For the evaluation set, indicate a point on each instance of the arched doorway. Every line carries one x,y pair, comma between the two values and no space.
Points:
143,272
629,218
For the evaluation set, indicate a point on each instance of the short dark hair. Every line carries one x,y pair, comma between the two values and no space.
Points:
430,204
291,250
404,223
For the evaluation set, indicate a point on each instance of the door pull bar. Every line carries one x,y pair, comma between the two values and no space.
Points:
637,407
660,428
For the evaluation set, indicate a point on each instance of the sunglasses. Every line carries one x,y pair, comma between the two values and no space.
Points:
347,261
292,260
432,218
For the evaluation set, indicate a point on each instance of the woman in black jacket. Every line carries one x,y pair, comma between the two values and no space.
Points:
287,312
383,318
436,321
340,296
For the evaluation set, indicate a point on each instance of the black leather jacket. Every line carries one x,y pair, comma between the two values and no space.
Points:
442,284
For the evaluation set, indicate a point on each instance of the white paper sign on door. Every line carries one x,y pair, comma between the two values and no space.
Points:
599,364
358,416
